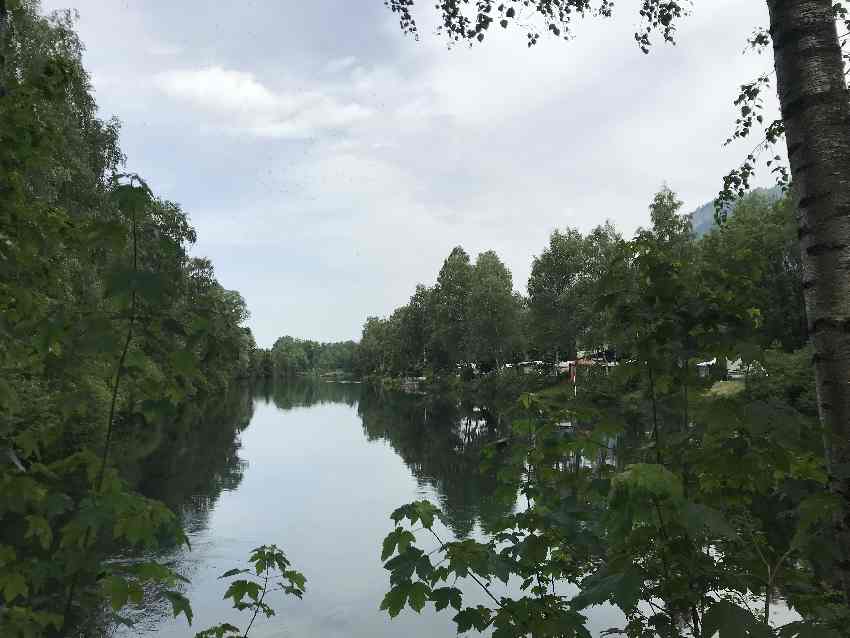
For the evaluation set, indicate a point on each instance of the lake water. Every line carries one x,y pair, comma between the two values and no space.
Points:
317,469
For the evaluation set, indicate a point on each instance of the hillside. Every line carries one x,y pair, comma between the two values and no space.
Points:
702,218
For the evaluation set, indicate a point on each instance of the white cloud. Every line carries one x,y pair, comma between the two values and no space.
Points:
397,150
164,49
340,64
239,102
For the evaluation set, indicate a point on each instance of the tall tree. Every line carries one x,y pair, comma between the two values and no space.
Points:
4,27
601,247
554,274
751,265
417,328
451,310
372,353
494,311
563,288
816,114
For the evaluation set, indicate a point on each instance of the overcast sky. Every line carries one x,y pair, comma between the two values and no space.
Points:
330,163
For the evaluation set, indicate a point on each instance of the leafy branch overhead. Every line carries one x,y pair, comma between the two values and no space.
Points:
465,20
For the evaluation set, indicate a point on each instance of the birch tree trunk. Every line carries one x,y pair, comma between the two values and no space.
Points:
815,106
4,36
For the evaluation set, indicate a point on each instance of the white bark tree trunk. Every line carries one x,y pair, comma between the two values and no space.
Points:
816,110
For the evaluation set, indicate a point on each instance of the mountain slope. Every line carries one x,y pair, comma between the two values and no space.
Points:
702,219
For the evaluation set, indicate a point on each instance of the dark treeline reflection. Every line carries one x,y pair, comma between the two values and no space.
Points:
301,392
189,462
185,462
441,442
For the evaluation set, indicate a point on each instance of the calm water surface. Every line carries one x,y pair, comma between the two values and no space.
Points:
317,469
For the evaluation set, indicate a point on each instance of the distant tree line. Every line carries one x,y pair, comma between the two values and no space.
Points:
470,315
290,356
583,294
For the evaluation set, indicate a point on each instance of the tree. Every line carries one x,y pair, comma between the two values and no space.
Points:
815,107
451,311
813,97
563,287
601,248
107,328
372,354
554,275
494,329
751,265
418,327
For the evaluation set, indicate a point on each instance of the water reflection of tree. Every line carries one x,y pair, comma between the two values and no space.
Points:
197,457
186,463
438,440
441,443
301,392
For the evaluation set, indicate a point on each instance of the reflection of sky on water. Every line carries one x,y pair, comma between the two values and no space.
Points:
316,486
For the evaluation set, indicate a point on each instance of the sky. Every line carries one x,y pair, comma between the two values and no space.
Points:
330,163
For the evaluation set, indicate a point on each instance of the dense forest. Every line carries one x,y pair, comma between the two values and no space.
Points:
110,326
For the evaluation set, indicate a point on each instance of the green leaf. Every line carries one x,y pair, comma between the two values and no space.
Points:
220,631
116,590
135,592
622,589
148,285
730,621
28,443
296,578
699,517
426,512
417,594
13,584
180,605
814,510
472,618
445,596
417,511
642,480
398,537
184,362
240,588
37,526
394,599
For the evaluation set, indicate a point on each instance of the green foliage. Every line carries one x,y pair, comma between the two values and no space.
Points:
107,328
452,310
463,21
494,321
471,319
270,571
563,289
728,620
290,356
691,509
